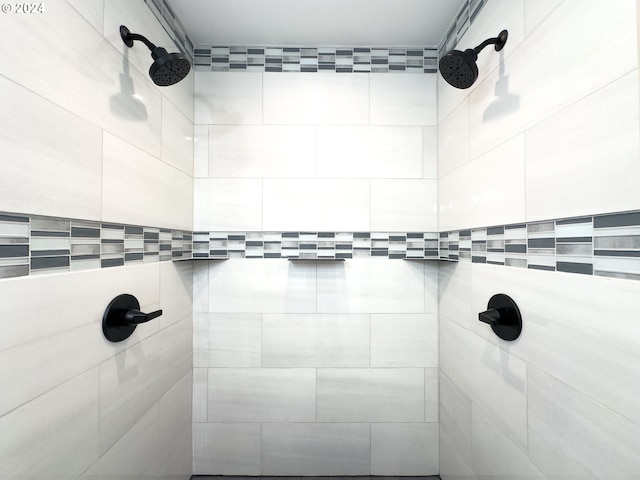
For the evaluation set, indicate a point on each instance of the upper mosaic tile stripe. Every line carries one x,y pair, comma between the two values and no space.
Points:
347,59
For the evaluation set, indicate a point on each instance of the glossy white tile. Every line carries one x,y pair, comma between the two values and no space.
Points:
264,151
91,10
262,395
403,99
566,337
453,139
60,442
175,430
315,205
316,99
177,138
536,12
404,340
262,286
430,152
201,286
431,275
139,189
455,416
571,435
37,135
26,371
572,143
454,287
431,395
370,395
227,340
228,98
176,292
200,392
406,205
200,151
315,449
511,462
227,204
404,449
495,381
490,190
315,340
227,449
134,380
369,152
452,465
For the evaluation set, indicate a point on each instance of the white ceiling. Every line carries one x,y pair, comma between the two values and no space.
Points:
316,22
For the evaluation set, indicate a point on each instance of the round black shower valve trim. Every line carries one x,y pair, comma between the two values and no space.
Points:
504,317
122,316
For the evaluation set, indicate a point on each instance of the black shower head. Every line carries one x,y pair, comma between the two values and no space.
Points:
167,68
459,69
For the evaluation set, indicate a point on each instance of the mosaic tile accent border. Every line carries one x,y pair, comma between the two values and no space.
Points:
465,17
604,245
33,245
225,58
314,245
348,59
172,25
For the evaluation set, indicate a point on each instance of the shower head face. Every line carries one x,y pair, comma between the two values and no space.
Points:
458,68
168,68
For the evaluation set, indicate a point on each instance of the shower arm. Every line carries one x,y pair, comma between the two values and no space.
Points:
128,38
498,41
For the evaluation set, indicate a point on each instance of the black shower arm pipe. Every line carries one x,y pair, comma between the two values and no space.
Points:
487,42
142,38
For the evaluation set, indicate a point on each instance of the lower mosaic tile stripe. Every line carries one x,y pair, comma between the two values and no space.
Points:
34,245
314,245
604,245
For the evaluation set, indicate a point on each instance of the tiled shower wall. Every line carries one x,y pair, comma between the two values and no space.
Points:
543,134
322,367
84,134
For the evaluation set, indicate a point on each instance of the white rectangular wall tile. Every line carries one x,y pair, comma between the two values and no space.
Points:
161,361
296,340
486,439
227,204
201,151
565,173
227,340
452,465
315,449
262,151
455,416
262,286
431,275
62,442
200,392
176,292
430,152
431,395
110,93
371,285
316,99
26,371
453,139
315,205
498,387
404,449
262,395
177,138
369,152
567,337
536,12
140,189
490,190
227,449
403,99
571,435
404,205
37,135
370,395
228,98
408,340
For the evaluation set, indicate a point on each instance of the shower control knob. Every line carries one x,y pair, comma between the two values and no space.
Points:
504,317
122,316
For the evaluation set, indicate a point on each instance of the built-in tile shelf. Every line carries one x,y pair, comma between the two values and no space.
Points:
603,245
